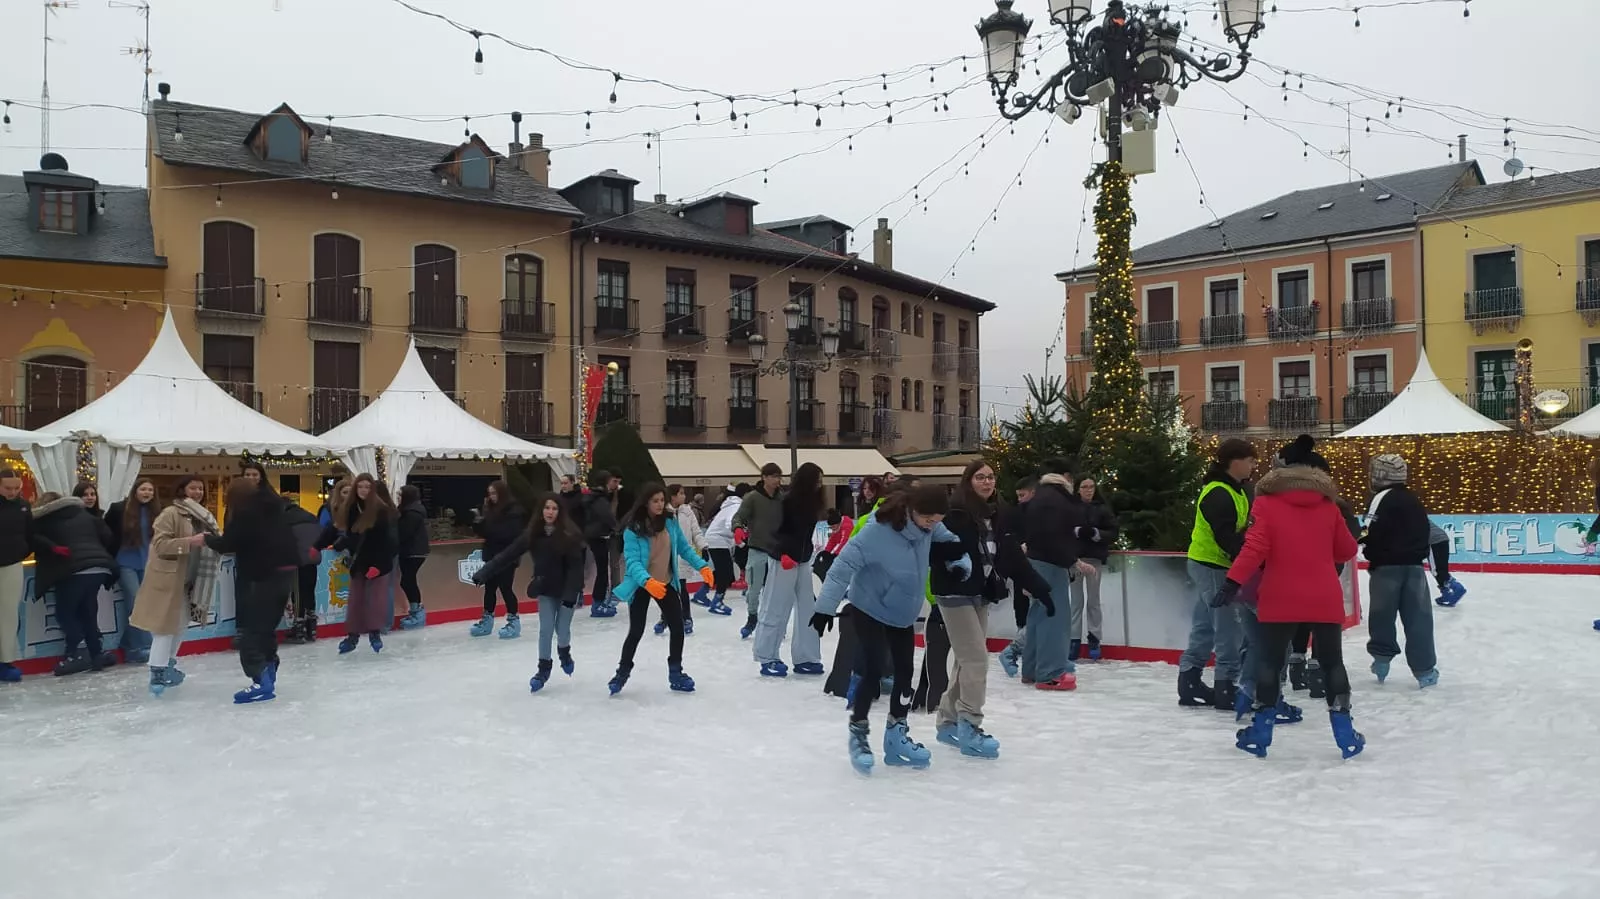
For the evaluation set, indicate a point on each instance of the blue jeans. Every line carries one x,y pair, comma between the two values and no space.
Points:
1048,645
555,620
1402,591
1213,630
1250,630
134,640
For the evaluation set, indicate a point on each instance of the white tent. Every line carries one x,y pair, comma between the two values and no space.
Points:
19,439
166,405
413,419
1426,406
1585,425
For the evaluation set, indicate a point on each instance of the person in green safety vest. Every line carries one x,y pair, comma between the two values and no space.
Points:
1222,512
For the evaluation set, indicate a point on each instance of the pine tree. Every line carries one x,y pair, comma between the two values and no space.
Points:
1052,423
620,450
1150,475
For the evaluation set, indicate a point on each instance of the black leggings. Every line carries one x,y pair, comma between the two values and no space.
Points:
601,550
639,616
409,566
874,639
1019,605
305,597
1302,638
1327,649
1441,562
935,678
722,568
508,593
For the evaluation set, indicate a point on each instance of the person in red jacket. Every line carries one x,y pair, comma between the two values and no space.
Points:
1298,535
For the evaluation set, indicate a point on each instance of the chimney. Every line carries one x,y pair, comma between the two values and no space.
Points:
1462,147
883,245
536,160
661,199
516,148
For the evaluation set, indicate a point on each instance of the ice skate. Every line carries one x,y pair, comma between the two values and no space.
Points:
774,669
1286,713
565,654
297,633
850,691
1011,659
1258,736
1242,701
1192,690
946,734
264,689
900,750
106,660
9,673
860,750
310,632
484,626
688,626
748,629
718,607
1074,649
77,663
1450,593
1350,741
1315,682
375,640
602,609
620,679
974,742
417,617
702,597
164,676
677,681
660,628
1224,695
1060,684
1297,671
536,683
1428,679
512,629
349,644
1380,667
1094,648
811,668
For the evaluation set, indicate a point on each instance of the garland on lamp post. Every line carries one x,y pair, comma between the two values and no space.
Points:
1117,397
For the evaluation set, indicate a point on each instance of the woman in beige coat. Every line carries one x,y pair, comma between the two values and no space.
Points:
178,582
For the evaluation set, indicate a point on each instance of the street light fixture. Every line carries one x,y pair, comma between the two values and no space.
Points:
794,366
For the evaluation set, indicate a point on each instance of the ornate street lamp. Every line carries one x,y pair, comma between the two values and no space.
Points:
794,366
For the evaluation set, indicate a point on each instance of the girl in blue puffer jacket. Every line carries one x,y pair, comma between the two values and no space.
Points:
885,568
652,544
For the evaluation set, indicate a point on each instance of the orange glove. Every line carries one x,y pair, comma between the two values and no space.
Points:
655,588
707,576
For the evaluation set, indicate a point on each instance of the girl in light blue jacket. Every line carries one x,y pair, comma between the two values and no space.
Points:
652,544
885,569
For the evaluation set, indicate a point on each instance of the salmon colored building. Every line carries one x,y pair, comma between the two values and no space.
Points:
1300,314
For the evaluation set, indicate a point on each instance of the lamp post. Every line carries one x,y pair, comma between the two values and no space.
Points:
794,366
1129,65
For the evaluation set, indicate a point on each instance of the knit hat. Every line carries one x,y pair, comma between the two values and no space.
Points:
1388,470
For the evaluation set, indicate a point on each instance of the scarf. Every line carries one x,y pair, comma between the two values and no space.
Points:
205,563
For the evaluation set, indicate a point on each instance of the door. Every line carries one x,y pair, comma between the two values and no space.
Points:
434,301
229,257
336,268
681,399
56,386
336,380
230,360
524,294
441,366
525,405
1497,384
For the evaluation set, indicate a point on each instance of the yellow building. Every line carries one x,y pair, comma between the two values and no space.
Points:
1504,262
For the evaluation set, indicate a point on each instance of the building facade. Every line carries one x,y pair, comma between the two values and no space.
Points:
1301,314
1513,261
302,260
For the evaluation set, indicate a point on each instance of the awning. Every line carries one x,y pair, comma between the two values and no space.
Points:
839,464
705,466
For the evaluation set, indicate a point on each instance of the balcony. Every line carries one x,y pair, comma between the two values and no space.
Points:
685,414
970,434
1294,413
329,304
885,426
527,415
333,406
747,415
528,319
1500,405
855,339
944,358
1225,416
855,421
438,313
886,345
617,406
1588,300
1217,330
684,322
1374,314
218,296
1154,336
1086,343
944,431
967,364
1358,407
1498,308
809,334
243,391
811,418
742,326
616,316
1292,324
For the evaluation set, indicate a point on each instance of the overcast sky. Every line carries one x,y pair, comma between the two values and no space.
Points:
360,57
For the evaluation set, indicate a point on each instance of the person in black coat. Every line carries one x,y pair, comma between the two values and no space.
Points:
1395,546
414,549
371,539
500,522
266,560
72,552
1050,532
598,521
1095,537
310,536
555,546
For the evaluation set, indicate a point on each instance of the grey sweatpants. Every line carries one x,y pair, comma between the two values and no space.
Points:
755,578
1086,601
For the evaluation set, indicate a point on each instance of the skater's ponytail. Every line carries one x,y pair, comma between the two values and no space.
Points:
926,499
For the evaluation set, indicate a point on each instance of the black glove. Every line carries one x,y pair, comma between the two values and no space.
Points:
1226,594
821,622
571,602
1049,605
478,579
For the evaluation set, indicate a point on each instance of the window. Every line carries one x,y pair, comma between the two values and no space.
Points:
680,382
964,404
524,373
524,402
55,386
336,270
1371,374
1224,297
1494,271
916,322
938,328
1225,386
742,384
808,390
611,283
230,360
1294,380
285,140
806,296
1369,280
938,400
849,389
476,169
524,278
441,366
847,308
963,334
1496,381
58,211
1591,259
616,397
880,313
880,393
613,199
229,258
1158,304
736,218
916,394
742,299
1163,383
1594,368
335,365
616,383
680,292
905,317
1294,290
905,393
434,277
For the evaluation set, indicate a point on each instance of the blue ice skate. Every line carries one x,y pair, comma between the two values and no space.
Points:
1242,701
899,750
748,629
10,673
1428,679
620,680
1094,648
688,625
264,689
512,629
1451,593
718,607
602,609
1597,624
1350,741
1011,659
774,669
1286,713
678,681
1074,650
349,644
946,734
660,628
850,691
1380,667
163,677
536,683
702,597
974,742
860,750
376,641
416,617
484,626
1258,736
565,654
812,668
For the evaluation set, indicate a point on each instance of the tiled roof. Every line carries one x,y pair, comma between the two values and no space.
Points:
1357,207
121,236
215,138
806,220
1523,190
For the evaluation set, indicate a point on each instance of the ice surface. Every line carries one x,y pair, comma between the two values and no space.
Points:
429,771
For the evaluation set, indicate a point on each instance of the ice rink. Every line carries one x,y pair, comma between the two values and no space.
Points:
430,771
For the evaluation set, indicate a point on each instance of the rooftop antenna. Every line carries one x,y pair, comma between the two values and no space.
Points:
141,49
50,7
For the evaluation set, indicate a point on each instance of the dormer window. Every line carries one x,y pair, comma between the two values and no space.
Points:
283,140
470,165
58,211
280,136
613,199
